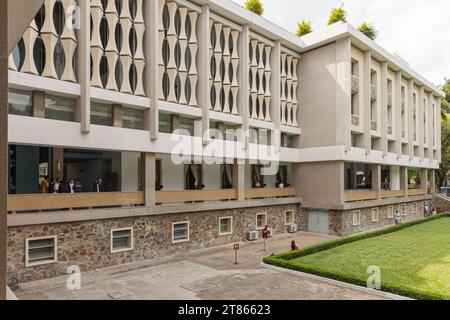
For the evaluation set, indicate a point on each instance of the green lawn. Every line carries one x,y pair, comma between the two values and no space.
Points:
415,258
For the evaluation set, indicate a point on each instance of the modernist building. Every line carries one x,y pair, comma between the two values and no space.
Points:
340,122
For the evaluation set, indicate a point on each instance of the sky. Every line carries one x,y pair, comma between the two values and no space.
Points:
416,30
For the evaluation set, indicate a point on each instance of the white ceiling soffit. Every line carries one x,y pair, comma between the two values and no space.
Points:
20,14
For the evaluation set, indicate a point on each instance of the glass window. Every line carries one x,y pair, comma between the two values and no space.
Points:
101,114
20,103
187,124
261,221
164,123
41,251
225,225
59,108
133,119
122,240
180,232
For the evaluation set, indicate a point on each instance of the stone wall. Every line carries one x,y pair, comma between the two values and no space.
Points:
441,203
87,244
341,222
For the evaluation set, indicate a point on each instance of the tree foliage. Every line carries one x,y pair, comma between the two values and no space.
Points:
337,14
444,168
255,6
369,30
304,28
445,105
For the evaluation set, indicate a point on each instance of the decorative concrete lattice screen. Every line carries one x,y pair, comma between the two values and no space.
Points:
259,78
289,85
224,68
48,46
179,47
117,54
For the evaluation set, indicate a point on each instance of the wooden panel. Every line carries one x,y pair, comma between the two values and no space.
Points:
360,196
392,194
416,192
34,202
269,193
195,195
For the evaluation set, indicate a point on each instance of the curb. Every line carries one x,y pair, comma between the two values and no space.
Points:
379,293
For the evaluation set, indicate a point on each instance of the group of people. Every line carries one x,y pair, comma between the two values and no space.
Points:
265,236
74,185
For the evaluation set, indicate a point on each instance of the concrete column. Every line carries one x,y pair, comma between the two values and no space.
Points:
148,178
84,67
376,179
244,87
203,70
424,180
38,98
239,179
174,122
275,105
117,115
429,127
410,109
384,109
151,76
432,181
421,131
367,137
404,180
398,113
395,178
438,129
344,92
4,54
58,163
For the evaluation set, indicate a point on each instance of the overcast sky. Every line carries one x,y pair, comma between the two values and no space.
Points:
417,30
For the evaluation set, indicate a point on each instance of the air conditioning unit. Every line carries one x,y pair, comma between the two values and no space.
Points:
252,236
292,228
271,233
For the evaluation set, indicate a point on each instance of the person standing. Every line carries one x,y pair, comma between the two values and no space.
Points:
72,186
98,186
78,188
44,185
265,236
51,187
56,186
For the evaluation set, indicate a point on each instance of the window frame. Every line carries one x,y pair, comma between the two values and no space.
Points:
29,263
403,209
256,220
131,248
286,222
230,218
373,211
358,213
188,232
390,212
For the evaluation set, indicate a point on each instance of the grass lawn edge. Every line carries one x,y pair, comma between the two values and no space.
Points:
284,261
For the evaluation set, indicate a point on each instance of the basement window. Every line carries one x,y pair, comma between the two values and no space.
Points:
40,251
390,212
289,217
356,218
225,226
374,217
261,221
180,232
121,240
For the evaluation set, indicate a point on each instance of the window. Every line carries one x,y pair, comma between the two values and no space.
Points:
225,226
133,119
59,108
289,217
101,114
390,212
414,208
20,103
121,240
356,218
261,221
403,210
40,251
374,217
180,232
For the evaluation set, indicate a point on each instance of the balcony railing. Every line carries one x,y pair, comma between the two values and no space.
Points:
269,193
353,196
39,202
392,194
182,196
355,120
355,83
416,192
373,125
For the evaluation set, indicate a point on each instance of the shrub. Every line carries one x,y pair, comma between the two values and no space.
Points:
304,28
255,6
336,15
368,30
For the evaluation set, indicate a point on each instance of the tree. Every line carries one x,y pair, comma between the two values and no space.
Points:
337,14
304,27
255,6
444,168
445,104
369,30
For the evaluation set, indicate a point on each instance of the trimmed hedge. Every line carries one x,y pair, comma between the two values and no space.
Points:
284,261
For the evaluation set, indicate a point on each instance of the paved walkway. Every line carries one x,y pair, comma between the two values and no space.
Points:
203,274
